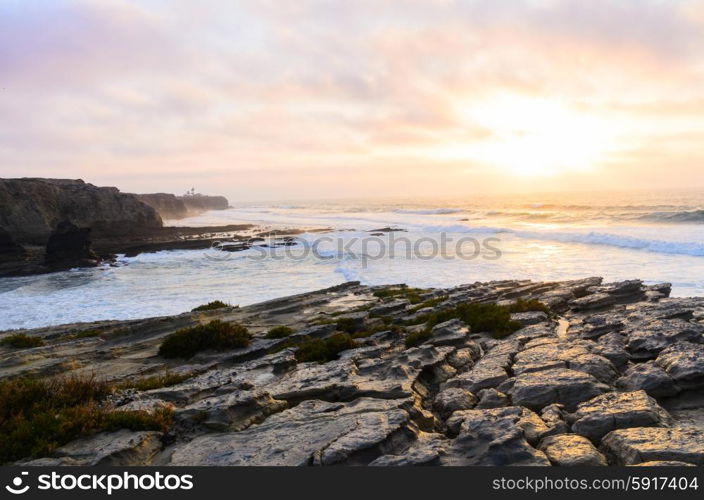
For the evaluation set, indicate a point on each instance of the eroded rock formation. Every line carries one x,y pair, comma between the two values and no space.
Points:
619,379
30,209
171,206
35,210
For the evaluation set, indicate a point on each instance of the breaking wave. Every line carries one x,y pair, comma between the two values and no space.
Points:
429,211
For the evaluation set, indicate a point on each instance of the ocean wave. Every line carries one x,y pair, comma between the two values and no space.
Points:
457,228
601,238
525,215
676,216
429,211
614,214
690,248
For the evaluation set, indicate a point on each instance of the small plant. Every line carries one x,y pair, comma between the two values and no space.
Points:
38,416
417,337
320,321
166,379
522,305
21,341
86,334
211,306
160,420
216,336
387,320
348,325
339,342
489,317
285,345
279,332
412,294
428,303
384,294
312,350
324,350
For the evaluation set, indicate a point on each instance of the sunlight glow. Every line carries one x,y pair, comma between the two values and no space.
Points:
533,137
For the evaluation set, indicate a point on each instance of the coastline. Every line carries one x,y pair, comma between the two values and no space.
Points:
49,225
610,374
143,269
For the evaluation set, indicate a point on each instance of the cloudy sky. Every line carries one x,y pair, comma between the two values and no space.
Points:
267,99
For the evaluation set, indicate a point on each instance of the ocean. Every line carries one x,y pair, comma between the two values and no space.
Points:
656,237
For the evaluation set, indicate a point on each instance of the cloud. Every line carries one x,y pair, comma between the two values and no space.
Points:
158,93
58,43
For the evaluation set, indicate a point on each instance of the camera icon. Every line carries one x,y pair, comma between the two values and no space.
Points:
16,488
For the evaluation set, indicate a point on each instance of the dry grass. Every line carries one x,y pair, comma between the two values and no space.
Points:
38,415
21,341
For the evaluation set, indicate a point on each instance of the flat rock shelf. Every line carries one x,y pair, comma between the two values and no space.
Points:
589,373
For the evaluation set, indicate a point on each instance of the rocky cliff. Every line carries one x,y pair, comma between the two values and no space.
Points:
171,206
203,203
168,205
30,209
588,374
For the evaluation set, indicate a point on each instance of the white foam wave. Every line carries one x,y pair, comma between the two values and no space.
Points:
428,211
458,228
690,248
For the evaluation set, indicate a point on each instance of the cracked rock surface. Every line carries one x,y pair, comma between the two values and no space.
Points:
608,374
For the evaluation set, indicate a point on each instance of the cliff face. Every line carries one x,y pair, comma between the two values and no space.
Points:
201,203
171,206
30,209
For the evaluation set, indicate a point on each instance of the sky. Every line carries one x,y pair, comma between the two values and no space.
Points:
274,99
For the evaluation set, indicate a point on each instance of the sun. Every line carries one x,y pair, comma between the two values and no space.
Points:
532,137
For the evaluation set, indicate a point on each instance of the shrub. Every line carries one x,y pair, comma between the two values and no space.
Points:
522,305
490,318
428,303
324,350
38,416
21,340
160,420
166,379
417,337
211,306
384,294
284,345
412,294
279,332
86,334
322,321
216,335
348,325
339,342
312,350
